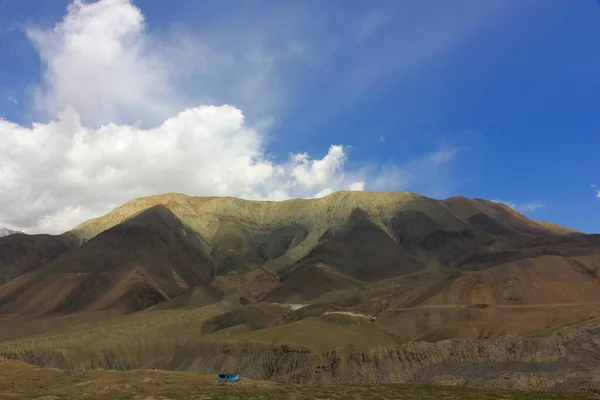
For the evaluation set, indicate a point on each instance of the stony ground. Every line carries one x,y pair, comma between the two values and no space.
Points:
22,381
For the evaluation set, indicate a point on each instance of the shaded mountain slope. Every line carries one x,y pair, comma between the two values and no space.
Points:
194,297
309,283
21,253
246,234
482,213
145,260
362,250
255,282
350,239
530,248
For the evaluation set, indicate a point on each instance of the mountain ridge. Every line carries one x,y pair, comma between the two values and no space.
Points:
225,281
346,241
213,216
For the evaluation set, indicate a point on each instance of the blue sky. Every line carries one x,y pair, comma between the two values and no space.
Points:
504,94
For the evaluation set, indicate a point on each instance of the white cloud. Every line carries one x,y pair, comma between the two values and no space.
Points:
13,100
117,132
65,173
598,194
102,60
312,173
323,193
524,208
507,203
56,175
529,207
98,61
357,186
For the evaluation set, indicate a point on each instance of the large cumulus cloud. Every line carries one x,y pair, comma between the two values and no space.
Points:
119,126
55,175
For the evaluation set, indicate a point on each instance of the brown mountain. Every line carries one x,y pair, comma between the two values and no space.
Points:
351,270
348,241
145,260
21,253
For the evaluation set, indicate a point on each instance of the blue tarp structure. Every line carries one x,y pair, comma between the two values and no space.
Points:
229,377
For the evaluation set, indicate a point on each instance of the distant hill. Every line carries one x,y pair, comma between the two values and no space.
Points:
6,232
20,253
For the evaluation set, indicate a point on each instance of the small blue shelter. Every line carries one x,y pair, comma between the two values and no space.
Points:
228,377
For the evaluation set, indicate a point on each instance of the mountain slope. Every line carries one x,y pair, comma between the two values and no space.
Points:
401,256
354,236
145,260
345,287
20,253
245,234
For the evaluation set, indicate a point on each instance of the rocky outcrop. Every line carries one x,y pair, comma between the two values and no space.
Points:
455,362
568,359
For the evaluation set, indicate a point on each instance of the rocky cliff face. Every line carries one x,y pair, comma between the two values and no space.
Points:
565,360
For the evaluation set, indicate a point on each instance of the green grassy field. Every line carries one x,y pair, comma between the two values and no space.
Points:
22,381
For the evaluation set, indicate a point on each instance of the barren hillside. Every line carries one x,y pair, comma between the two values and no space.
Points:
182,282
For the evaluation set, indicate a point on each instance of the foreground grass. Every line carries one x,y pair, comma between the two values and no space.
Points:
22,381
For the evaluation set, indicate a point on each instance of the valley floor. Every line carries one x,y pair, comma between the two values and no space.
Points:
23,381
